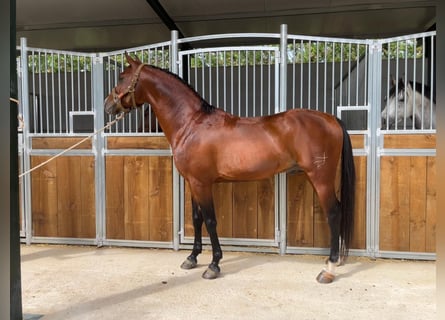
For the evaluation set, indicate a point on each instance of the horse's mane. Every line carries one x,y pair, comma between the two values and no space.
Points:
205,106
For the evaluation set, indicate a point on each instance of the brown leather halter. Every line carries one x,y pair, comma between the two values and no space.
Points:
130,90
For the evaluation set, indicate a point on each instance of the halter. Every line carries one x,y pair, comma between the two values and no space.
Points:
130,89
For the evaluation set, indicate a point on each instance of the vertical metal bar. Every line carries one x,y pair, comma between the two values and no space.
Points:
60,93
65,92
373,166
406,84
27,196
340,76
432,86
333,79
301,72
99,149
282,176
53,98
225,81
309,45
261,83
294,60
358,74
325,58
414,84
247,83
253,83
317,69
178,192
349,74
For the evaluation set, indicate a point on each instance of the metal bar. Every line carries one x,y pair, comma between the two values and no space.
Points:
98,147
177,191
282,176
24,100
373,163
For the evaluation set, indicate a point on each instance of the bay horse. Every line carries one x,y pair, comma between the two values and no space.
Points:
411,101
210,145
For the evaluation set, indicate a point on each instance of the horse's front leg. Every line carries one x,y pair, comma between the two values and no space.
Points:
192,261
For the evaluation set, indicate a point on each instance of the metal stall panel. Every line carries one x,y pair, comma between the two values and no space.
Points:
139,187
328,75
242,81
59,197
407,148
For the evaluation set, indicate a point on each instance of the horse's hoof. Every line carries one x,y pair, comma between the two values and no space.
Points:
325,277
212,272
189,263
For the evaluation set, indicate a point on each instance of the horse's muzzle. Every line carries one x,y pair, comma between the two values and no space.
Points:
114,106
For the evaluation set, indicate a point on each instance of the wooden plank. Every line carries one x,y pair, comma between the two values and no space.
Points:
245,218
266,208
188,220
69,196
60,143
115,213
300,216
394,203
151,143
358,141
44,198
160,203
136,198
417,214
431,205
410,141
223,202
88,194
359,235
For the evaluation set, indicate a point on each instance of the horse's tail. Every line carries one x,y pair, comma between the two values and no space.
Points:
347,192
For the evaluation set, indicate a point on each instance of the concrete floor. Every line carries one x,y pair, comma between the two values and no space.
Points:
74,282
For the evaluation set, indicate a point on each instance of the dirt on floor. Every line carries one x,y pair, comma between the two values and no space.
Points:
82,282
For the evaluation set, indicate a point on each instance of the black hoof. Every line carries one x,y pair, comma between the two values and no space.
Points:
325,277
212,272
189,263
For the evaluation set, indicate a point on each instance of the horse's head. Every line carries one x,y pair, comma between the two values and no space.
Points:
124,96
398,105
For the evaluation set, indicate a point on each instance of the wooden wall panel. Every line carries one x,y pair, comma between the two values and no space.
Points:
243,210
359,235
307,223
139,203
431,205
300,213
407,207
63,202
115,213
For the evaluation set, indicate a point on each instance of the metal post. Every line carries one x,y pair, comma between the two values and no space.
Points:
24,100
282,199
373,168
98,148
176,176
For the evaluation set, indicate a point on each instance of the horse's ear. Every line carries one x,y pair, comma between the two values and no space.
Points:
129,58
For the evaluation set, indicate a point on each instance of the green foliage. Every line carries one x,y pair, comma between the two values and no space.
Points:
43,62
297,52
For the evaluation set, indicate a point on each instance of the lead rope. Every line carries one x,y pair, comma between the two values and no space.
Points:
109,124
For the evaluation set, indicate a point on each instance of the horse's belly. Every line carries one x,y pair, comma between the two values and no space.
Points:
252,165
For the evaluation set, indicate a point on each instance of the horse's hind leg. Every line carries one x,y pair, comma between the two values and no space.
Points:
324,186
192,261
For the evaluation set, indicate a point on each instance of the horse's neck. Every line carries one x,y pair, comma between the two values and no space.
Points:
173,102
